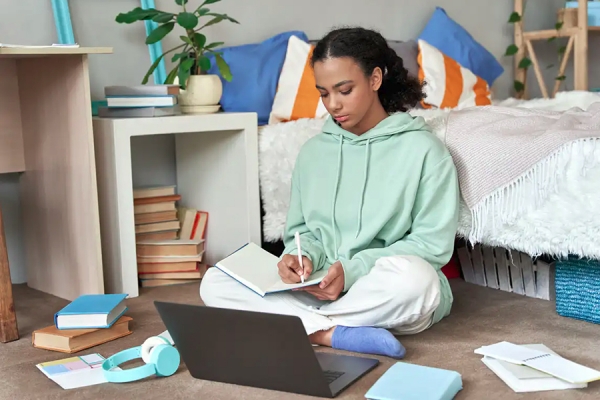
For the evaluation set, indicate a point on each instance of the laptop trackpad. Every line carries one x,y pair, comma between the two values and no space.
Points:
341,370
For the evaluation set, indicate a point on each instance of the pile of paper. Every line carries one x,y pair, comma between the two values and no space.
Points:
535,367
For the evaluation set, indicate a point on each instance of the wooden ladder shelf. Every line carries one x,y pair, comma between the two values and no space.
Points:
577,32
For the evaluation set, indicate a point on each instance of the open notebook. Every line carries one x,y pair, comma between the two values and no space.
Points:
257,269
544,361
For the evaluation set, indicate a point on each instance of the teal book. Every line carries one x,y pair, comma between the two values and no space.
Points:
91,311
404,381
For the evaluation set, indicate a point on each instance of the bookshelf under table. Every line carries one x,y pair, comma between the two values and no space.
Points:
217,171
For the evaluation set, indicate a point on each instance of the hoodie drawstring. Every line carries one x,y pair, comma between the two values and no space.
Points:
362,193
364,187
335,189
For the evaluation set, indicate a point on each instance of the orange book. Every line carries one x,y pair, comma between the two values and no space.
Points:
75,340
157,199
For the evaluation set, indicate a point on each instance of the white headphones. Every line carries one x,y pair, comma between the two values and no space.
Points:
160,358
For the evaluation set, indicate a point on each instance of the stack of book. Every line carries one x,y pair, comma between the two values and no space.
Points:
155,213
140,101
87,321
170,262
535,368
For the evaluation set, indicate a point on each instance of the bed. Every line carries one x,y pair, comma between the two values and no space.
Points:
562,224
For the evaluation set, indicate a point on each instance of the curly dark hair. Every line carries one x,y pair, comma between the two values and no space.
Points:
398,91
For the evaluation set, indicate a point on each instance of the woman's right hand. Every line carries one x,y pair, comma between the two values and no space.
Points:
290,269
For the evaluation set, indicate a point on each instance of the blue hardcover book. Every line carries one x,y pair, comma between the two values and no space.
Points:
91,311
415,382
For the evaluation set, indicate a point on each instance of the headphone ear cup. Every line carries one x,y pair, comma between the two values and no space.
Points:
166,359
149,345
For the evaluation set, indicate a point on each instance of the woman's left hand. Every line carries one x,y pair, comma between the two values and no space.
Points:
331,286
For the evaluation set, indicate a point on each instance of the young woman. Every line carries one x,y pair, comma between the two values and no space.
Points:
375,200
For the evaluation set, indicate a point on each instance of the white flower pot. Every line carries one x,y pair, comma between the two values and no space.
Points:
202,94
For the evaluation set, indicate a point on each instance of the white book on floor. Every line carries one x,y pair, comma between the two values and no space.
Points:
541,360
257,269
523,379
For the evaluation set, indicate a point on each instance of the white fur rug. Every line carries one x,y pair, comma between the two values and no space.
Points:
568,222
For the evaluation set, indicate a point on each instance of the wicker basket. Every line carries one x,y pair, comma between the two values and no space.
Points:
578,289
507,270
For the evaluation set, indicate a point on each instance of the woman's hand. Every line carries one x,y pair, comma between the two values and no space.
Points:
331,286
290,270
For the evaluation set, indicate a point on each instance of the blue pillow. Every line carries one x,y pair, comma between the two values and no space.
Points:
255,70
443,33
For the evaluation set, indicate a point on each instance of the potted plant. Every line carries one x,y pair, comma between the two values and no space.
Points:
201,91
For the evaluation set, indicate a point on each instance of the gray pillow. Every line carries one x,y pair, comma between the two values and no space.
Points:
407,50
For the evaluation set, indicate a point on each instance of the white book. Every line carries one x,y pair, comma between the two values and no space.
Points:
141,101
257,269
540,360
523,379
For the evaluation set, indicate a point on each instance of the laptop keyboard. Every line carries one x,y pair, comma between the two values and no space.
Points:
331,376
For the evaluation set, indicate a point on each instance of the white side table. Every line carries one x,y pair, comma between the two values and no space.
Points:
217,172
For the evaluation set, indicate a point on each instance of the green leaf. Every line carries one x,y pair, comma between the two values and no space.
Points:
561,78
200,40
204,63
558,25
163,17
519,86
187,40
525,63
137,14
187,64
218,18
184,73
514,17
177,56
552,39
223,67
152,68
550,66
562,49
159,33
213,45
171,77
181,2
511,50
187,20
201,11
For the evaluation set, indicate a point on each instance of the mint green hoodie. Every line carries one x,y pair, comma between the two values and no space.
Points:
390,191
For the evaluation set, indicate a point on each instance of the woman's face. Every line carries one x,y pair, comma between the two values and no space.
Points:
347,94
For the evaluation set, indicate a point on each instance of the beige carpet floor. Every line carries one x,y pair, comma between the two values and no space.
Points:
480,316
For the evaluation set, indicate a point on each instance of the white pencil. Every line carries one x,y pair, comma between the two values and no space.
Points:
297,235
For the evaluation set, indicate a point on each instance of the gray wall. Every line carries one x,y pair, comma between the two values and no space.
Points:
31,22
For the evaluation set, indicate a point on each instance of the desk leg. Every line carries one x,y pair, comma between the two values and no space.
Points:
8,318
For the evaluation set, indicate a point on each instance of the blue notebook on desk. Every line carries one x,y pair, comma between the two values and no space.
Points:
91,311
404,381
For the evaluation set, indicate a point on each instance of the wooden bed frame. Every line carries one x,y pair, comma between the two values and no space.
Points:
578,39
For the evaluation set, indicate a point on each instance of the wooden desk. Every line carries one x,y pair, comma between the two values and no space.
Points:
46,134
8,318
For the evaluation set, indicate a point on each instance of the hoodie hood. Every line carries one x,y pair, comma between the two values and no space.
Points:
396,124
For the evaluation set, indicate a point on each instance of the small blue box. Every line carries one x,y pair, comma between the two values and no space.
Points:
593,11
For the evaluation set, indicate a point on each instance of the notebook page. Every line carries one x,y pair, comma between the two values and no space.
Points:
314,279
509,352
564,369
253,267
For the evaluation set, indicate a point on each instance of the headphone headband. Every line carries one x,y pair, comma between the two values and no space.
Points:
160,359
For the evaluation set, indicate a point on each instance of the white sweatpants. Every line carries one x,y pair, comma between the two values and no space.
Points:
400,293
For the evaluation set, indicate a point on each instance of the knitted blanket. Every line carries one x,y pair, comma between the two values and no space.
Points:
510,159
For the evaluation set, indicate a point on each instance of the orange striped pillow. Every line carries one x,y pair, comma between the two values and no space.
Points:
449,85
296,96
